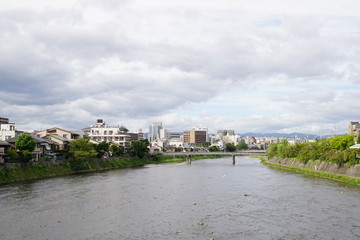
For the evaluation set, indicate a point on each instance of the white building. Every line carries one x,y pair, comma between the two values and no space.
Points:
154,131
7,130
115,134
234,139
177,143
164,134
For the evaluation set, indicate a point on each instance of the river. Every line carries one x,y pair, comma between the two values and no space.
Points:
209,199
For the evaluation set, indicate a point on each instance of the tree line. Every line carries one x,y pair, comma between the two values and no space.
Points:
335,149
80,150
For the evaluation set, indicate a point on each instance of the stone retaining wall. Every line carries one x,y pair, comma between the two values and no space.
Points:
45,163
347,170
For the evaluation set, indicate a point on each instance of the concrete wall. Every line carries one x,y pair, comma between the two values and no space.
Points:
347,170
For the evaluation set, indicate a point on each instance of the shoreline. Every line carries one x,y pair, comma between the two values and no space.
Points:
38,172
316,169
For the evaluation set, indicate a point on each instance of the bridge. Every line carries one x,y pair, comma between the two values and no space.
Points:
233,154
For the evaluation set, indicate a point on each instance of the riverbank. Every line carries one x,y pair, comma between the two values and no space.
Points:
346,173
42,171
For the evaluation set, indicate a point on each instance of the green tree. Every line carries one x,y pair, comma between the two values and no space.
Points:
242,146
82,151
272,150
25,142
281,146
116,150
102,148
342,142
26,145
139,148
358,139
230,147
214,149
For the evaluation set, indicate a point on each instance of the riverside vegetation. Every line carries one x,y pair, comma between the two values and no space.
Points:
333,150
84,156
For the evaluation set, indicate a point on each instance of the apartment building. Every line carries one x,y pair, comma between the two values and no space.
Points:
103,132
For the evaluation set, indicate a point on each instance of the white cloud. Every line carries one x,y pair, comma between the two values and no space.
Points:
251,66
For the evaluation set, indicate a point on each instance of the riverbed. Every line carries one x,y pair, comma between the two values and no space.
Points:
208,199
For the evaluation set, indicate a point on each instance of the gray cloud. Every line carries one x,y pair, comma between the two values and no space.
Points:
126,60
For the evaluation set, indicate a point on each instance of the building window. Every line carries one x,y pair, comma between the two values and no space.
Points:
105,132
110,132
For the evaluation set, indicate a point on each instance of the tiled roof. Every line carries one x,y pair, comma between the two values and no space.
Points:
2,143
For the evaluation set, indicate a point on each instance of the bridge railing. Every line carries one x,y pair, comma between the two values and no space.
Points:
237,153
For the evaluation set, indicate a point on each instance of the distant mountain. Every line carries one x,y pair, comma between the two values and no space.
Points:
283,135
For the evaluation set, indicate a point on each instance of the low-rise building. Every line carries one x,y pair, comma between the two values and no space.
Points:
61,143
69,135
4,146
42,149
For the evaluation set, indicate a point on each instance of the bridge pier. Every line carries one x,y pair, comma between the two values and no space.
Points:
233,158
188,159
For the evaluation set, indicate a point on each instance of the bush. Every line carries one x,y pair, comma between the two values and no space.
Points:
214,149
13,156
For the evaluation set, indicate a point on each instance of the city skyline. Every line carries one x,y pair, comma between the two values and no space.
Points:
259,66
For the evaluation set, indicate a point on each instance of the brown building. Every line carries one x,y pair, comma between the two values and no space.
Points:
194,136
70,135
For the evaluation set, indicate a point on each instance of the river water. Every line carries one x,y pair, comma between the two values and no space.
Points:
209,199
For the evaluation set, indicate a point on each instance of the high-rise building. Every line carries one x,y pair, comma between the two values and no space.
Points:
154,131
204,129
194,136
164,134
226,132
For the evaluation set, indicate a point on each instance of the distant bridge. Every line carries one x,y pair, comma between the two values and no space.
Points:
233,154
239,153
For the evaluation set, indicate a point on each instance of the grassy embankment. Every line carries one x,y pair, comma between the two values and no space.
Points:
42,171
332,176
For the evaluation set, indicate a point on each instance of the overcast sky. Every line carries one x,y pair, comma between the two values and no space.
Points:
252,66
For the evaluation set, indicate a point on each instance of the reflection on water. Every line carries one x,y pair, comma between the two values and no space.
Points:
204,200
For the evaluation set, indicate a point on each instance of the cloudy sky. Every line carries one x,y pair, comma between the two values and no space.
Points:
252,66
